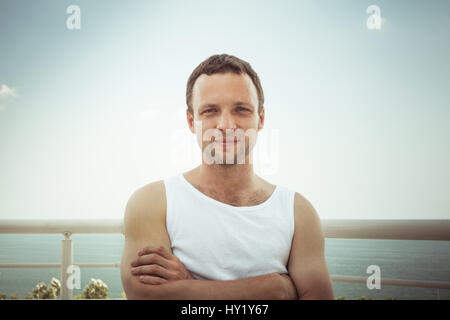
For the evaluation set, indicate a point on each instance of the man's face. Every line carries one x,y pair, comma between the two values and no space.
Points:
225,104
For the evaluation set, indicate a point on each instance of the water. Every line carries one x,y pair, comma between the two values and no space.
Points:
400,259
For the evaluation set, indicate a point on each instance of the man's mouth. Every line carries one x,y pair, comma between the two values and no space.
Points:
226,141
229,141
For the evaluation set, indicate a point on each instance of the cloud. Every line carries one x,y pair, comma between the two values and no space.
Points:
6,93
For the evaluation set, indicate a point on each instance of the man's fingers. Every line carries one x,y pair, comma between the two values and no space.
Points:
153,270
152,258
161,250
152,280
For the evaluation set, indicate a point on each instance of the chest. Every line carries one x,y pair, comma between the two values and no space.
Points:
238,199
226,246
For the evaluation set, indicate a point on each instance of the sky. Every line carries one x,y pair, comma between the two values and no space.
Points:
357,119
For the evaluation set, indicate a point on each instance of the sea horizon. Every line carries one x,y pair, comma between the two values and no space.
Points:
397,259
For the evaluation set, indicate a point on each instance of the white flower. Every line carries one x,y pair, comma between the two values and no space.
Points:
96,289
54,283
41,291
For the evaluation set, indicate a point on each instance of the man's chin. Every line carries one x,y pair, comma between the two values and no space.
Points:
235,160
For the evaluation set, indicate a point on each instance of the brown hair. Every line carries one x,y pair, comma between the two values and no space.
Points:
223,63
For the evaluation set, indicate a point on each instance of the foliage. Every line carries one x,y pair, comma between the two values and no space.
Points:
42,291
95,289
54,283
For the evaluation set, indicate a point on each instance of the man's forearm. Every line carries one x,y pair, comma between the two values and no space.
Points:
265,287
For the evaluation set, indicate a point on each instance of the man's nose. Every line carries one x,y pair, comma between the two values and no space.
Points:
226,121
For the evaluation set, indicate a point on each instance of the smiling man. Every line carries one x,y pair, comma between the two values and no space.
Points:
219,231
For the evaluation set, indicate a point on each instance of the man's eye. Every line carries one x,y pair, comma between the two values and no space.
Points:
243,109
208,111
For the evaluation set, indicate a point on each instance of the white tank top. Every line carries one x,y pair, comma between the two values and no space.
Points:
217,241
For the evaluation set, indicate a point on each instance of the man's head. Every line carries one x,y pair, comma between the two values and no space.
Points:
221,64
224,94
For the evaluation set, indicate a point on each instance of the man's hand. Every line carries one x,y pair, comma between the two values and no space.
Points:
156,265
289,287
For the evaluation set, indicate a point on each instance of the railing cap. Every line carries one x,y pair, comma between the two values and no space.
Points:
61,226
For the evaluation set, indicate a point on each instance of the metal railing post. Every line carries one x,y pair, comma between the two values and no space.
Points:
66,261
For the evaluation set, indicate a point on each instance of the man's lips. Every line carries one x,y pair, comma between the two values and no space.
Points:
226,141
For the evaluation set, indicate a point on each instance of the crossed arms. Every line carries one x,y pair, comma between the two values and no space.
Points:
149,270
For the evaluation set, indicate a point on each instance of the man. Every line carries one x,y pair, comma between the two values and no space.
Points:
220,231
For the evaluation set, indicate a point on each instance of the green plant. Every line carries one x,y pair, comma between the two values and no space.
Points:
42,291
95,289
54,283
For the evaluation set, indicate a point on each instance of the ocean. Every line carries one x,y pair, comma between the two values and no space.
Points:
398,259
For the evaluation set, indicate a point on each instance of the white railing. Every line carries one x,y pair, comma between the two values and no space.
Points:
66,228
332,228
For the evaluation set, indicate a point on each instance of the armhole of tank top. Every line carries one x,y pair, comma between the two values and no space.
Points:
168,208
292,213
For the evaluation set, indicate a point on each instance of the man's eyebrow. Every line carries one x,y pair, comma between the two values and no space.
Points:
241,103
208,105
214,105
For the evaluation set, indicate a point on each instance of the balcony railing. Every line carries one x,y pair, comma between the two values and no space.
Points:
333,228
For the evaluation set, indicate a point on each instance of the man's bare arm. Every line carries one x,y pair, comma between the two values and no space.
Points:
307,265
265,287
184,286
144,225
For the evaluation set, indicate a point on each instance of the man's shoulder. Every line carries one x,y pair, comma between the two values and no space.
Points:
147,202
300,202
149,192
304,212
302,207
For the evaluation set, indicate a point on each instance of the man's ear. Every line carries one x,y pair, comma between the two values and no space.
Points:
261,119
190,121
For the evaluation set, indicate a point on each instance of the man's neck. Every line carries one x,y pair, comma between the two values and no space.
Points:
223,178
